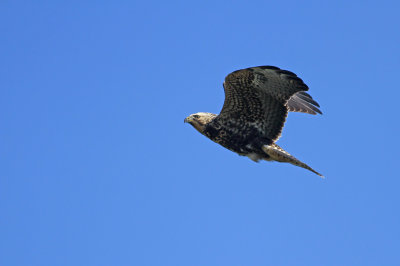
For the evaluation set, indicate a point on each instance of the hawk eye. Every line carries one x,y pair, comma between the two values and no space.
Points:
196,116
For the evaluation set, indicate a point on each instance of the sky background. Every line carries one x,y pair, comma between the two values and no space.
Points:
98,168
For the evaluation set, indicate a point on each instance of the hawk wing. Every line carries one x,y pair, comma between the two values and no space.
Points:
261,97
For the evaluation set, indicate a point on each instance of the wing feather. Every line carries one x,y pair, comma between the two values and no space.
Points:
303,102
260,97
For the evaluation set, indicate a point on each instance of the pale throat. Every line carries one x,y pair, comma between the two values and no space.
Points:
198,126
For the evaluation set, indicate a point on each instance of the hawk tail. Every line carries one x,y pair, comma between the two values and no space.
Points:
276,153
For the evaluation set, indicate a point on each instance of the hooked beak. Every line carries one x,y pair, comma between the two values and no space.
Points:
187,119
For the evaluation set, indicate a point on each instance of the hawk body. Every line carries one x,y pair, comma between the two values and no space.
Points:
240,139
257,101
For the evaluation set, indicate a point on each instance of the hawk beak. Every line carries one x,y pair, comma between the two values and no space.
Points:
187,119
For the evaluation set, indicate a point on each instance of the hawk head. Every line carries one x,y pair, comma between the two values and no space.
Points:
200,120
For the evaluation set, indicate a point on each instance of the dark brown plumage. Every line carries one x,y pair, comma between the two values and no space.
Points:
257,101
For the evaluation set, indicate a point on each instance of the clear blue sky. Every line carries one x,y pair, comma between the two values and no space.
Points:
98,168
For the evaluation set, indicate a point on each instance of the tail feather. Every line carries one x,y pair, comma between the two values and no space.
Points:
278,154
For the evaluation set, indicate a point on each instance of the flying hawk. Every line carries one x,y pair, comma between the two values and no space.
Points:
257,101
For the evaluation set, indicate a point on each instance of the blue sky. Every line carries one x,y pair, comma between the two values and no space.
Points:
98,168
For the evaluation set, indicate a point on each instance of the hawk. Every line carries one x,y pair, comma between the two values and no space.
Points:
257,101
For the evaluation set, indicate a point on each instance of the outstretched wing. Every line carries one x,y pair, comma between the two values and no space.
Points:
259,97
